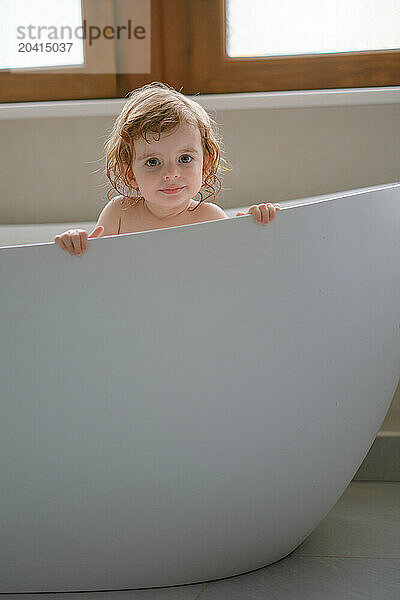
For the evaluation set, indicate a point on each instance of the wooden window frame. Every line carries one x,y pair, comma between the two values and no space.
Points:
66,83
76,84
188,52
214,72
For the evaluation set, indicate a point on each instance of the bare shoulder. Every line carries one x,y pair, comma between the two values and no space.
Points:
211,211
110,216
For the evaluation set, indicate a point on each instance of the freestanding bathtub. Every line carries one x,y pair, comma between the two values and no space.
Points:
187,404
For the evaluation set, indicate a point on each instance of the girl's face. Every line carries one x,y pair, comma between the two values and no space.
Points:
174,162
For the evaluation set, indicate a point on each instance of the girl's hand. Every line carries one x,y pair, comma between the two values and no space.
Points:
75,241
263,213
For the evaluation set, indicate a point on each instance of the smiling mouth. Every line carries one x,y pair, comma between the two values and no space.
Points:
172,190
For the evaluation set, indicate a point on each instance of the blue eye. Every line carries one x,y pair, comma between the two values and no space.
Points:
185,162
149,161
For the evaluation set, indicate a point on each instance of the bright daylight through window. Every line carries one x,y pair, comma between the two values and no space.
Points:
41,33
289,27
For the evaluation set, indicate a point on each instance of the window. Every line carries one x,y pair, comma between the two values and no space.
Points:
220,27
270,28
222,46
39,60
27,43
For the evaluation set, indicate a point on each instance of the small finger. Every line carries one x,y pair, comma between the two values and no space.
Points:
67,244
272,211
265,217
76,243
64,246
83,239
255,211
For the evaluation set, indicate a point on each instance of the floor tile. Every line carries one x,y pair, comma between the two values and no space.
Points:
313,578
382,462
365,522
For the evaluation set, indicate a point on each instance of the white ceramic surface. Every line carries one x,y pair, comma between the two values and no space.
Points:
187,404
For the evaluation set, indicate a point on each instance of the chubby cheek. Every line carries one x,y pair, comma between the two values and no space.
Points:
147,180
198,178
200,175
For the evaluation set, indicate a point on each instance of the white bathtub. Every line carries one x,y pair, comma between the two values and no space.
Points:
187,404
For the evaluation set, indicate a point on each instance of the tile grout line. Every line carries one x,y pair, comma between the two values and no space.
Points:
339,556
201,591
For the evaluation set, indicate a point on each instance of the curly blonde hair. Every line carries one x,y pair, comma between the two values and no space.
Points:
157,108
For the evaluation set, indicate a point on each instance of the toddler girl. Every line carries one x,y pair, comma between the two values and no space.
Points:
162,149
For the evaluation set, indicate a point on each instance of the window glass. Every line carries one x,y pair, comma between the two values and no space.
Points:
41,33
289,27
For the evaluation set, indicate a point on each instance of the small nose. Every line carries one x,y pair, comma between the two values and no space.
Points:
171,172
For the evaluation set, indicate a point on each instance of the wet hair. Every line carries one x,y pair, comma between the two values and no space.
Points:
157,108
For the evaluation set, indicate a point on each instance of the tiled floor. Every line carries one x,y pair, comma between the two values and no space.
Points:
354,554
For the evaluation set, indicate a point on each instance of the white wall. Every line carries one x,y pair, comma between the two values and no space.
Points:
51,169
